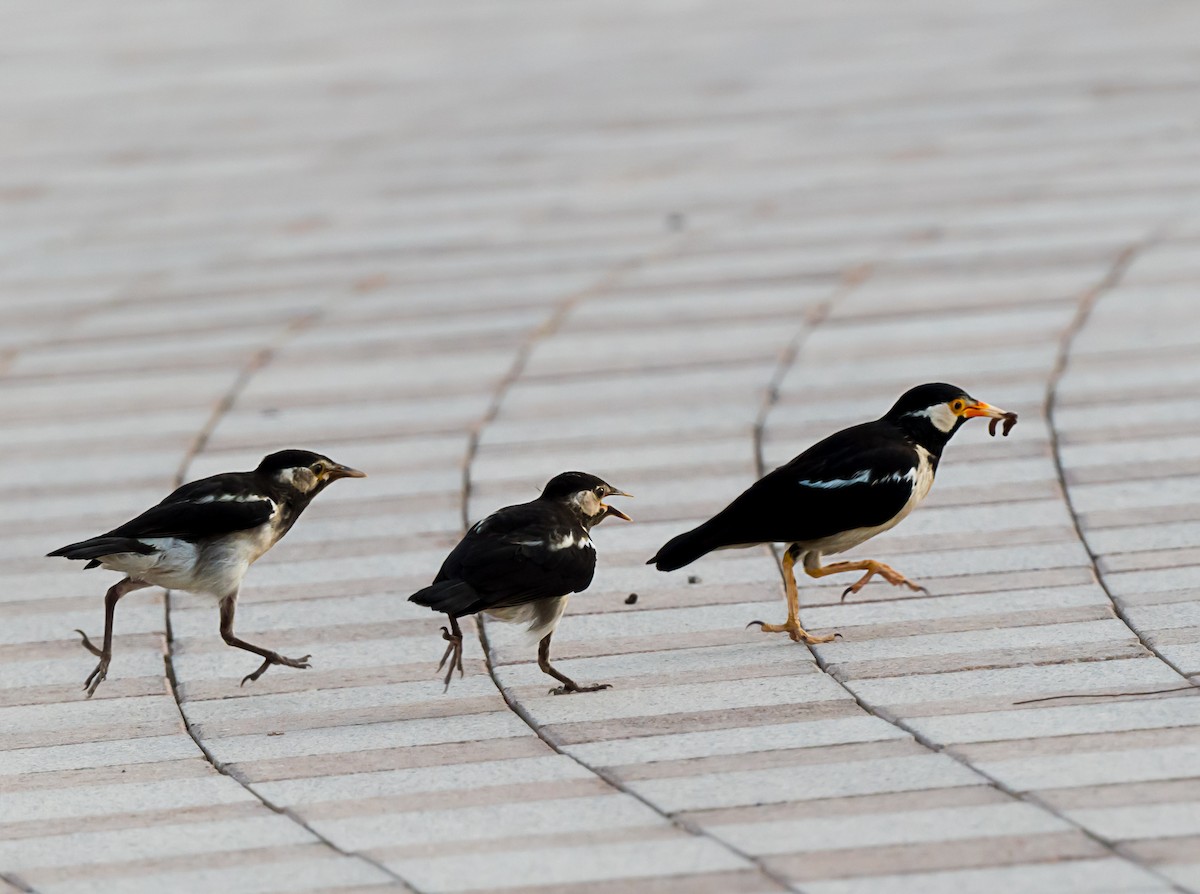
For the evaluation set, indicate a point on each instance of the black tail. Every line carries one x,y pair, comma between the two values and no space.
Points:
684,549
454,597
103,545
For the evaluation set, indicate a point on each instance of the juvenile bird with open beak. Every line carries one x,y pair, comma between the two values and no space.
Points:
203,538
840,493
521,563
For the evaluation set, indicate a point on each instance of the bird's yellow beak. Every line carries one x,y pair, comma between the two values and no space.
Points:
343,472
613,510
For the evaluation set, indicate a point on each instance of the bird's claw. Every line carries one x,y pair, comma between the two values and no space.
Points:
567,690
454,649
797,633
901,580
96,677
893,577
276,658
87,644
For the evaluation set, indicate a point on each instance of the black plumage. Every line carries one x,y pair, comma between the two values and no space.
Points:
839,493
179,517
521,563
203,537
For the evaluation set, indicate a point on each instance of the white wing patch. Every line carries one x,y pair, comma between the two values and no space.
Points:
569,540
566,541
857,478
910,476
922,481
236,498
863,477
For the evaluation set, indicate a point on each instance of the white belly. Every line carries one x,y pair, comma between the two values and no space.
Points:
172,565
541,616
215,569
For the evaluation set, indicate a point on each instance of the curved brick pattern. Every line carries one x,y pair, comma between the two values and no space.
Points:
455,244
1129,451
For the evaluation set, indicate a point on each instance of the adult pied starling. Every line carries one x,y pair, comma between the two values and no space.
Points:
521,563
839,493
204,537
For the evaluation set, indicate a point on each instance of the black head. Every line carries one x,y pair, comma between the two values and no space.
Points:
303,472
585,494
932,413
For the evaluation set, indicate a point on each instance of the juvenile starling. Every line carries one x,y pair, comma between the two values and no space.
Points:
521,563
204,537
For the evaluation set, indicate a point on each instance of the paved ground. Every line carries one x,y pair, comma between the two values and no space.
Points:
467,245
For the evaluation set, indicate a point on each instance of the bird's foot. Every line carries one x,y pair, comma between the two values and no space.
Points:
795,631
453,655
96,677
87,644
568,688
276,658
889,574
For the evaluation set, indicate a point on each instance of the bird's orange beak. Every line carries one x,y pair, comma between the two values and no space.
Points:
979,408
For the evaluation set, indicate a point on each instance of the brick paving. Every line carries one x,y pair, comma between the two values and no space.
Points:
466,246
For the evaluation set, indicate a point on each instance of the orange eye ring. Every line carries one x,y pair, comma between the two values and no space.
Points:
958,406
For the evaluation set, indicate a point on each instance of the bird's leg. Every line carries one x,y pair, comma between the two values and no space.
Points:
454,650
111,598
888,573
792,625
228,607
568,685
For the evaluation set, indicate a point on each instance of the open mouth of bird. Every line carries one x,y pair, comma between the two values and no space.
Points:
613,510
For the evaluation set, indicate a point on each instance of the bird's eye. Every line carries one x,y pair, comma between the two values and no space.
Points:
958,406
599,491
318,468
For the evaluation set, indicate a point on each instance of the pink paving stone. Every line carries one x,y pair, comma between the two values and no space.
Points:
464,245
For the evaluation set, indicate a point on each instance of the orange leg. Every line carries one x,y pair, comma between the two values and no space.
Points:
792,625
888,573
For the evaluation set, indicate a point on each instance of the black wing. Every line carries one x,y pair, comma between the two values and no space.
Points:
220,504
507,560
195,521
858,478
228,484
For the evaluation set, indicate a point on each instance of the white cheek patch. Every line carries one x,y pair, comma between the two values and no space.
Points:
301,478
940,415
586,502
